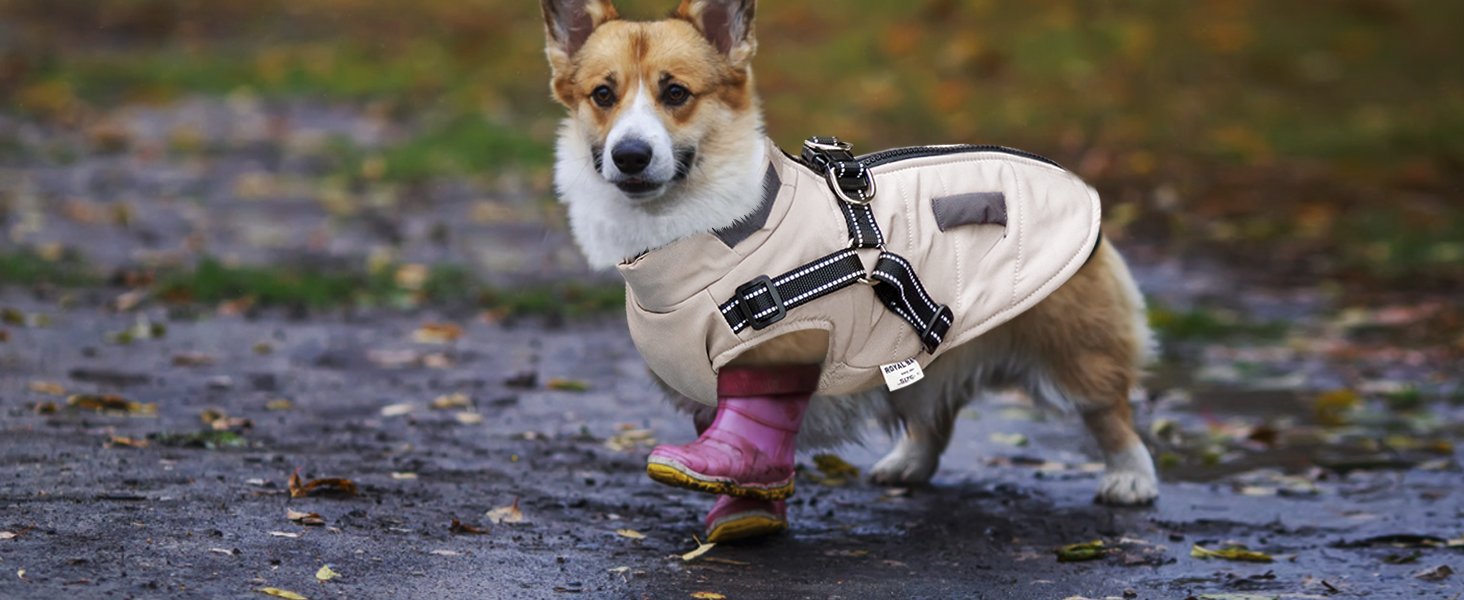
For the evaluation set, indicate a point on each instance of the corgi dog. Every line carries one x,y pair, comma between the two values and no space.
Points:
664,140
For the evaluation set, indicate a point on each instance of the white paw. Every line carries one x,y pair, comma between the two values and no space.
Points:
1130,478
907,464
1127,488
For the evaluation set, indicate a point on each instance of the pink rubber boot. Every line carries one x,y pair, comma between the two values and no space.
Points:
748,450
740,518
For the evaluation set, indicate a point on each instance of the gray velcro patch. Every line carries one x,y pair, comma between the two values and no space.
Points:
981,208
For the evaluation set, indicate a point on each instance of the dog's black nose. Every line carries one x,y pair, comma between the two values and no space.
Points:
631,156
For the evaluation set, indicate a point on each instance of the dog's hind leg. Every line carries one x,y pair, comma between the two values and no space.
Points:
927,416
1091,339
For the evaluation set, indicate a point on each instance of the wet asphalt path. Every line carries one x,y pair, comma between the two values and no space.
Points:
98,518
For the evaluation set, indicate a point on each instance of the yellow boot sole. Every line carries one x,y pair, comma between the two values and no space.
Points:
746,527
669,475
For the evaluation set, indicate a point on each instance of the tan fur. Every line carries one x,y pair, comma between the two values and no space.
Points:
627,55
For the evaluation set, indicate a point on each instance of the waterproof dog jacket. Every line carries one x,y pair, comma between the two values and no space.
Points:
987,231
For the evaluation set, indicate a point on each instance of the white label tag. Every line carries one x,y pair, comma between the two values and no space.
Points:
901,374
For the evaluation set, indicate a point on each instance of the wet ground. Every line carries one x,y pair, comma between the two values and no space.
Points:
1315,431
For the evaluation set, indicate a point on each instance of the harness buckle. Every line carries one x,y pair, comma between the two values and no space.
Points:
747,291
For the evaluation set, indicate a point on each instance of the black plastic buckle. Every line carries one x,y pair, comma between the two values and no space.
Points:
929,343
745,293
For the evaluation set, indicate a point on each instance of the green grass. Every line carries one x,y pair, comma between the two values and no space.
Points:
27,268
212,282
1209,325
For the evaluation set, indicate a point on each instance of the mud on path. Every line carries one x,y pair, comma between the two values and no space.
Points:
197,513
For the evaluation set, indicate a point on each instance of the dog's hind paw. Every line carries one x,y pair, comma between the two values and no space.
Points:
905,465
1127,488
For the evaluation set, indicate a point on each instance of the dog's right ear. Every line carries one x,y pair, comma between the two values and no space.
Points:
568,23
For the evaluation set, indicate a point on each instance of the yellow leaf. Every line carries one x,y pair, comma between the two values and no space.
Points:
1079,552
396,475
567,385
507,514
631,533
437,333
1332,407
279,593
833,466
326,574
707,596
700,549
450,401
1230,553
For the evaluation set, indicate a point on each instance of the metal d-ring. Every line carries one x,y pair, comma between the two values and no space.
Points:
865,197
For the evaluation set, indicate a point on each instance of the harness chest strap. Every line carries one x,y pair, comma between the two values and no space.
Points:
764,300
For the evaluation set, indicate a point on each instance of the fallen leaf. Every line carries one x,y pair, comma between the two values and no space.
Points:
1332,408
1402,559
46,408
833,466
507,514
458,527
224,551
47,387
397,410
451,401
279,404
1093,550
329,485
446,553
1009,439
567,385
263,348
1438,573
8,535
1239,553
522,380
304,518
701,548
707,596
279,593
286,534
111,402
437,333
630,533
394,359
397,475
128,442
193,359
326,574
468,418
631,438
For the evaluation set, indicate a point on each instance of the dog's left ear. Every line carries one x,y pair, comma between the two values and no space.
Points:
727,24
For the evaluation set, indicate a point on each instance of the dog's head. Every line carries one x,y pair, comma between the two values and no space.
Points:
650,99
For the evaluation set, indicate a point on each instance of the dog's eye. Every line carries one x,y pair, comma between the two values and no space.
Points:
675,95
603,96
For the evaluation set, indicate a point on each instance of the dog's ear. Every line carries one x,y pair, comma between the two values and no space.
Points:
568,23
727,24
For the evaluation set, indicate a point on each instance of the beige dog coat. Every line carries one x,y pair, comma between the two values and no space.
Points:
990,233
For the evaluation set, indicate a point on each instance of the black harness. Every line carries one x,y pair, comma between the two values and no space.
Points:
766,300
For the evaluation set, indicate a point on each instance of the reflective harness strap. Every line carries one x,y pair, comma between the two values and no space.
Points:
764,301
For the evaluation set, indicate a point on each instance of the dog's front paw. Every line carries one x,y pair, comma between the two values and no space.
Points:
1127,488
907,464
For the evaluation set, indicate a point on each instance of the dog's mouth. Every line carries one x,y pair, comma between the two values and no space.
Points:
637,187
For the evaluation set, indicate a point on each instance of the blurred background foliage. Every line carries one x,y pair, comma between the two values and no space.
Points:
1318,137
